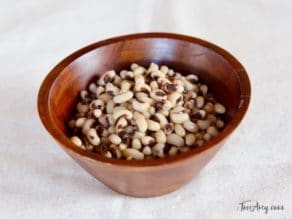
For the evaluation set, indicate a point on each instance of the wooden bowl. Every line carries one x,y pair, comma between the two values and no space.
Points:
59,92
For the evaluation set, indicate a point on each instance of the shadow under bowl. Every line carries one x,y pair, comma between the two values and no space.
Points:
224,75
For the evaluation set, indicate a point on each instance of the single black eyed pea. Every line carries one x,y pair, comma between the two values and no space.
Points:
132,153
76,140
123,97
115,139
140,121
212,130
87,125
152,125
219,123
190,139
160,137
219,108
157,150
179,130
136,144
200,101
147,151
172,151
203,124
175,140
190,126
207,136
93,137
147,140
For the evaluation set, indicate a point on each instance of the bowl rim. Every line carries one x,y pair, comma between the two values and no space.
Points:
45,93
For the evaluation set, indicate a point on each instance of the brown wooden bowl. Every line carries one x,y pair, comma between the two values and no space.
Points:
59,92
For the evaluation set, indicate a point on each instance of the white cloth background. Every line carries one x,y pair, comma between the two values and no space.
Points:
38,180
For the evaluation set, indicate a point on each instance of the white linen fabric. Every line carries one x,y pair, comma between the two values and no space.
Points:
38,180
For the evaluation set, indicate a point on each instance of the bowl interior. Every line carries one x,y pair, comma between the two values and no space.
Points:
215,67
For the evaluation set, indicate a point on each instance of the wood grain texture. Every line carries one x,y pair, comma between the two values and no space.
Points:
225,76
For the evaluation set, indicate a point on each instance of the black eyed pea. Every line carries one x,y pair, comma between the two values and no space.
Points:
179,117
168,128
136,143
142,88
174,98
110,107
143,97
139,71
154,85
183,149
121,124
123,97
106,77
157,150
117,81
140,121
175,140
160,137
97,104
219,123
97,113
172,151
203,124
153,67
110,88
80,121
125,86
99,91
76,140
147,140
122,146
179,130
159,117
147,151
164,69
134,66
105,97
200,101
82,108
140,107
115,151
139,135
200,142
122,112
190,126
152,125
132,153
127,75
207,136
83,94
93,137
212,130
158,95
204,89
190,139
87,125
108,154
219,108
92,88
115,139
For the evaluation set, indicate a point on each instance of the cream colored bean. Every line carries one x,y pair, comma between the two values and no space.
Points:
164,112
164,69
147,140
200,142
200,101
125,86
147,151
117,81
219,123
136,143
212,130
92,88
107,77
83,94
179,130
108,154
190,139
178,109
187,84
97,104
99,91
158,95
157,74
93,137
123,97
207,136
183,149
219,108
142,88
192,78
152,125
152,110
105,97
121,124
153,67
172,151
110,88
157,150
140,107
175,140
122,112
79,122
127,75
203,124
110,107
97,113
204,89
160,137
134,66
115,139
122,146
174,98
139,71
143,97
159,117
212,118
190,126
116,151
87,125
139,135
131,153
76,140
179,117
82,108
168,128
154,85
141,121
139,79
